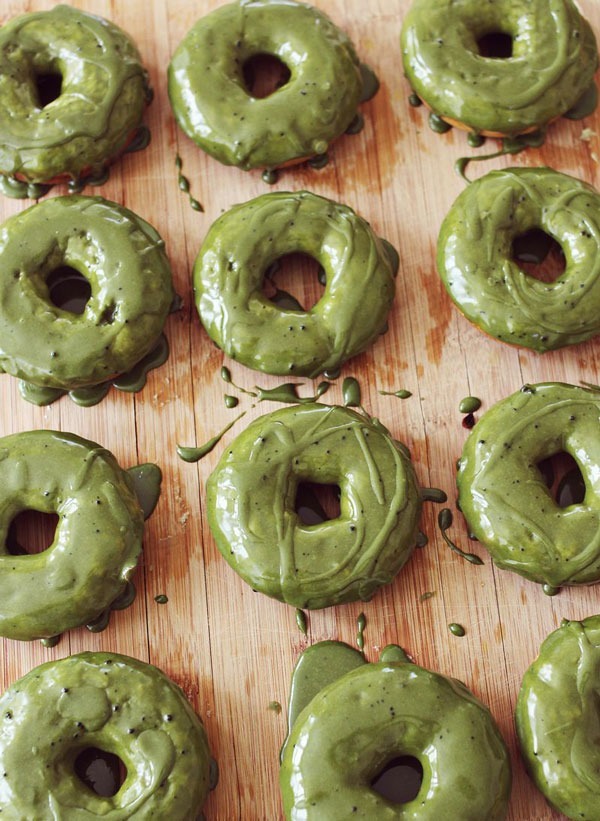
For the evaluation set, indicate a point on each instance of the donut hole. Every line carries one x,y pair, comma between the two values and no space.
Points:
30,532
48,86
399,781
563,478
495,45
100,771
68,289
264,74
317,503
539,255
294,282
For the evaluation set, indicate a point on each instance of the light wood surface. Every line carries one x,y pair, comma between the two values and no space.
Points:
230,649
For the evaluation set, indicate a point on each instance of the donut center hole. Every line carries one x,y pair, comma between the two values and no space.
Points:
563,478
68,289
100,771
294,282
31,531
48,87
317,503
400,780
539,255
495,45
264,74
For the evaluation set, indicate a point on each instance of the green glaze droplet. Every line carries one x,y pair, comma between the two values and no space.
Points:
361,623
445,519
100,623
549,590
231,401
195,454
88,397
392,255
275,706
351,392
184,186
475,140
135,379
370,83
357,125
421,540
161,598
585,106
401,394
393,654
456,629
319,161
287,393
126,598
225,374
414,100
18,190
429,594
51,641
433,494
469,404
147,479
139,142
301,621
270,176
438,125
37,395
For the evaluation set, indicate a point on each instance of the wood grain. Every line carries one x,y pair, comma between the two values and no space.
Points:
230,649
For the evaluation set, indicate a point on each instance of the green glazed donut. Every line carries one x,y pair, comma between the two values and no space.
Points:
477,267
548,73
504,498
107,702
213,106
123,259
98,537
251,498
557,719
359,723
103,94
238,250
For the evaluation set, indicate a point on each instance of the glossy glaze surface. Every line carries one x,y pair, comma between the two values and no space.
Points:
249,327
109,702
251,499
554,57
475,257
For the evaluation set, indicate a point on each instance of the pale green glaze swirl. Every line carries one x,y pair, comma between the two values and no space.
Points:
113,703
97,541
504,498
124,261
300,119
557,719
251,506
103,96
242,244
554,58
360,722
477,267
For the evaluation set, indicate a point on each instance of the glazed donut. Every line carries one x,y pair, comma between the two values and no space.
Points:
359,723
504,498
475,258
98,536
251,498
557,716
123,259
550,66
103,91
242,244
215,109
106,702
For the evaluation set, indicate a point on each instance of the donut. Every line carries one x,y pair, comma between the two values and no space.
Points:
251,497
503,495
97,541
121,257
359,723
475,257
546,65
107,703
557,716
238,250
299,120
73,91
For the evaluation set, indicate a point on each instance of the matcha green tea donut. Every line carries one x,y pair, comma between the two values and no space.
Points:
97,541
475,257
109,703
300,119
236,254
251,498
122,258
544,67
503,495
72,95
358,724
557,719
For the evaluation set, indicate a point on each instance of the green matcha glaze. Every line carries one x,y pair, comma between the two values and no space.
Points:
213,106
101,102
250,328
123,259
97,541
251,499
359,717
504,497
554,58
475,258
557,719
109,702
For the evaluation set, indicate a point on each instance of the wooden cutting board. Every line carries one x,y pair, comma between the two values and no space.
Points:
231,650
